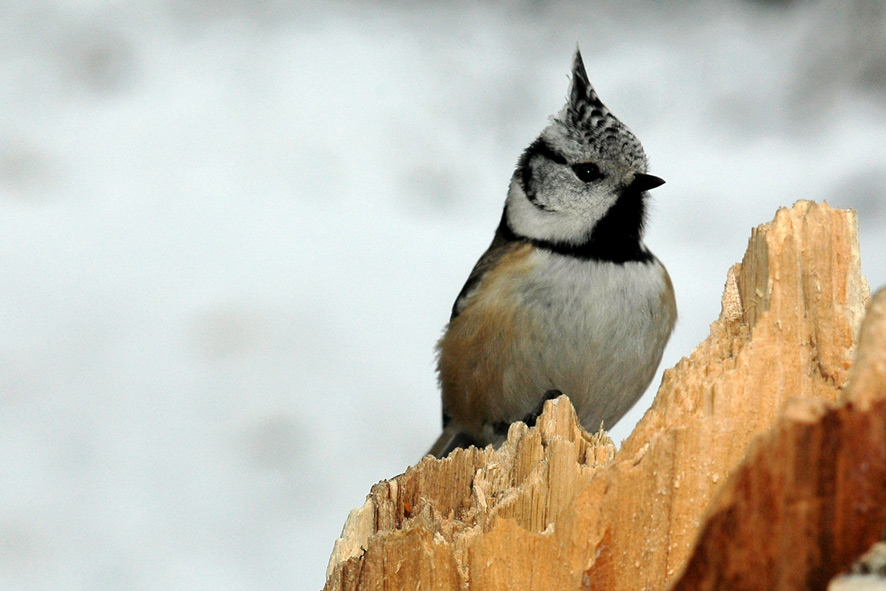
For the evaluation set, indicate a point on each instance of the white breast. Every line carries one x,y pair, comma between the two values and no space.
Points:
603,327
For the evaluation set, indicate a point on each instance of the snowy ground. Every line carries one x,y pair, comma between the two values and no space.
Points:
231,232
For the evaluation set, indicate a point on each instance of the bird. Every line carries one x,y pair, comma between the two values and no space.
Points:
567,299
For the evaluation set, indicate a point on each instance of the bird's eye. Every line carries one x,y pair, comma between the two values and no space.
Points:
587,172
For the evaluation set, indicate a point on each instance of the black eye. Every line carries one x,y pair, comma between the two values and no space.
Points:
587,172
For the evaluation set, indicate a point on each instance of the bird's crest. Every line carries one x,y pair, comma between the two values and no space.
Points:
586,120
585,114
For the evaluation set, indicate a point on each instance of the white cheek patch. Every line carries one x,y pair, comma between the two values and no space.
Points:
572,222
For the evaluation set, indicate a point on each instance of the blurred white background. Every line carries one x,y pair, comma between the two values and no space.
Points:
231,233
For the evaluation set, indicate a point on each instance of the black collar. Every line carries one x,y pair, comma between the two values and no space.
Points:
615,238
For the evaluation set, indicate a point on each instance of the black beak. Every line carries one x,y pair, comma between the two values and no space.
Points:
645,182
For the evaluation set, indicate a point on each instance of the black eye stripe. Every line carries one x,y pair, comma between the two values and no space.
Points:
587,172
540,148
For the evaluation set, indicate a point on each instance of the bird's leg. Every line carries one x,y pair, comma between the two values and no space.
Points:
531,417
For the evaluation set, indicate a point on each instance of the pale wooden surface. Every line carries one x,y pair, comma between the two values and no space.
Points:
747,472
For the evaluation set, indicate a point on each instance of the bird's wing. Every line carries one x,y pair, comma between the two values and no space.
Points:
499,248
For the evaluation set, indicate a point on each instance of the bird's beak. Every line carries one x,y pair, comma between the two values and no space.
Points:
645,182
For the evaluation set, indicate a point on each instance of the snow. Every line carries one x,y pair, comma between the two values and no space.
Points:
231,233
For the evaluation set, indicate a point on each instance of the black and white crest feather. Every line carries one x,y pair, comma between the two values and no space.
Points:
585,111
587,120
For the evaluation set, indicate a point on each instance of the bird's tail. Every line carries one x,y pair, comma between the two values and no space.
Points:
451,438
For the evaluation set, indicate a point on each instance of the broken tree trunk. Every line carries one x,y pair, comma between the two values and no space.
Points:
761,464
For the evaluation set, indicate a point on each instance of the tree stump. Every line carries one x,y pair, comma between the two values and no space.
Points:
760,465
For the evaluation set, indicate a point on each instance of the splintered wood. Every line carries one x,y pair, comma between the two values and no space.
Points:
761,464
